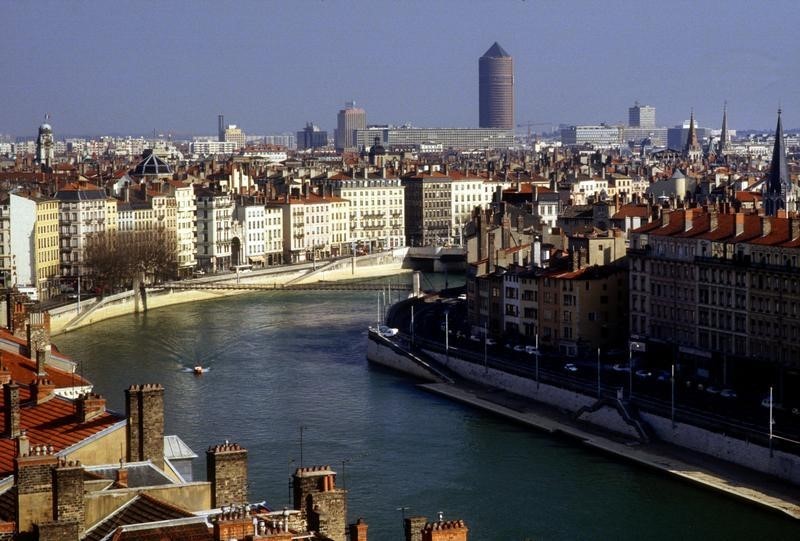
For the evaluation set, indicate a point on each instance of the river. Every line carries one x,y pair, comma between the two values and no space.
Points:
281,363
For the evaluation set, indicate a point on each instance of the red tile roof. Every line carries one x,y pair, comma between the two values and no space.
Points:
53,422
631,211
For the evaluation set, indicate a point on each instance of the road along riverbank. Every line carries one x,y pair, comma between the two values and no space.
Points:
564,412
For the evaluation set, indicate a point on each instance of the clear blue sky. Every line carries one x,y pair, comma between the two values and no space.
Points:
269,66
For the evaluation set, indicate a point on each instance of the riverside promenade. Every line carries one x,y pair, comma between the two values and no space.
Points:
73,316
700,469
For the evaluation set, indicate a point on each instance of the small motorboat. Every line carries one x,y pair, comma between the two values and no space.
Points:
198,370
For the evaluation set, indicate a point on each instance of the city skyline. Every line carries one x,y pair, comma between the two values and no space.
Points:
270,68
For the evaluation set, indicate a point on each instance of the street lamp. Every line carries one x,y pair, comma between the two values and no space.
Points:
638,347
447,337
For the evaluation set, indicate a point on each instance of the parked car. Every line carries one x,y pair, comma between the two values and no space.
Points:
644,374
570,367
621,368
530,350
711,389
491,342
519,348
474,338
387,331
728,393
462,297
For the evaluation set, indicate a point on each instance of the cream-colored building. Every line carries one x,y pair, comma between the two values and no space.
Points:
466,193
314,227
31,251
273,232
214,229
376,213
83,212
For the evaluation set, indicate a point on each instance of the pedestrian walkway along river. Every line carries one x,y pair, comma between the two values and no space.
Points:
286,360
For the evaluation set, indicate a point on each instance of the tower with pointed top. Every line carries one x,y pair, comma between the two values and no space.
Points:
496,89
692,151
779,193
45,146
723,147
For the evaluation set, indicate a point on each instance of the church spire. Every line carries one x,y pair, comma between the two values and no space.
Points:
779,192
778,171
692,149
723,137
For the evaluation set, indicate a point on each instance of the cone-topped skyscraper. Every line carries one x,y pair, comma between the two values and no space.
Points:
496,89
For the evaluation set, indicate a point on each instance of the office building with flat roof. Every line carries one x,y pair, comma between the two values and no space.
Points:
455,138
348,120
641,116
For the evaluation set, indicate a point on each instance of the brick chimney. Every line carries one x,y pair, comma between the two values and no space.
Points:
42,359
766,226
38,332
413,527
144,407
233,524
794,229
42,389
358,531
11,409
33,479
324,505
445,530
688,219
90,406
713,219
23,444
5,373
739,224
68,492
226,470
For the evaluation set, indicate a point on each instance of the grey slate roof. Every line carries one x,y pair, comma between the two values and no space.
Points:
176,448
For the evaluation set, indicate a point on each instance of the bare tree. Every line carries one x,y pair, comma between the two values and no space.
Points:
119,258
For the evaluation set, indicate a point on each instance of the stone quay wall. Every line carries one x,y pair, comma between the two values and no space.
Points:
751,455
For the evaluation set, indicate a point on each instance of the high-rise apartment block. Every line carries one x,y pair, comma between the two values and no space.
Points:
311,137
348,120
496,89
234,134
641,116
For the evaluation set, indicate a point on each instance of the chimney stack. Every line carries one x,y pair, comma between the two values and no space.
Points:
226,470
42,359
358,531
90,406
42,389
144,407
5,373
11,409
766,226
739,224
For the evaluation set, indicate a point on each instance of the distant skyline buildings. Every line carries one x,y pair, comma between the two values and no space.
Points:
426,77
496,89
348,120
641,116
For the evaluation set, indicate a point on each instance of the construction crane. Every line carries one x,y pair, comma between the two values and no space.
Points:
529,124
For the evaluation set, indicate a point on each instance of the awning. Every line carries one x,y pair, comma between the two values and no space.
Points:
256,259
